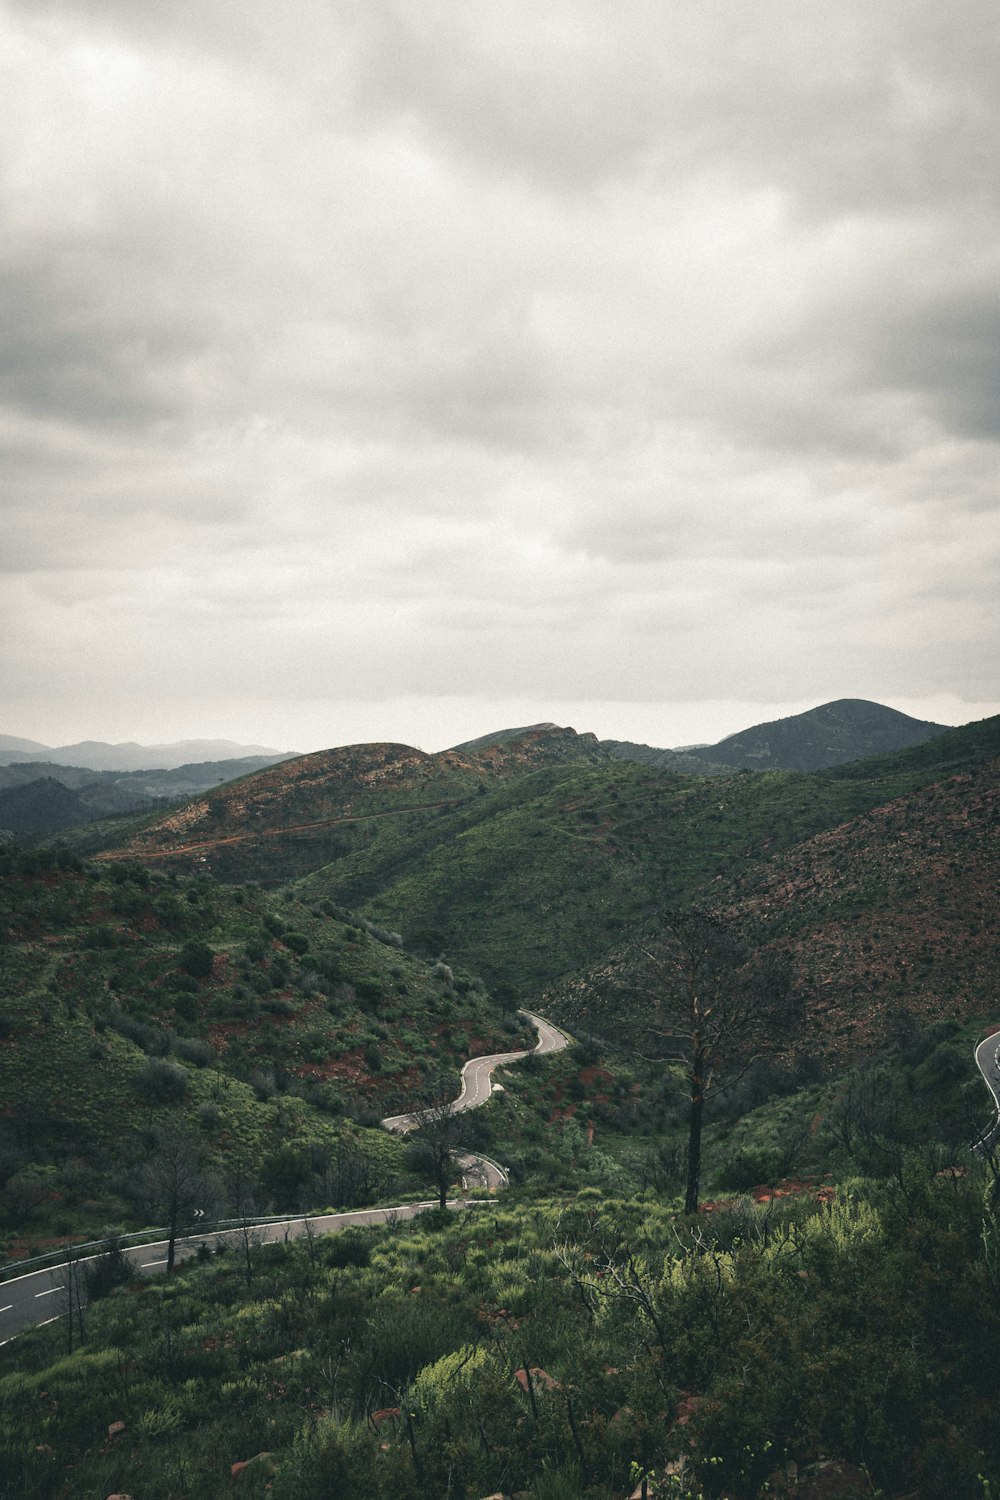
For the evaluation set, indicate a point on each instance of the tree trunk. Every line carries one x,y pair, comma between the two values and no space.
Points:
694,1132
172,1232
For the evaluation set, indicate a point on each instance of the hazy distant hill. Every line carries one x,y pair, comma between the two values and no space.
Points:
18,746
40,807
831,735
96,755
40,797
685,762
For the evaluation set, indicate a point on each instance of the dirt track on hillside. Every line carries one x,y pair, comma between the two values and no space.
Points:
271,833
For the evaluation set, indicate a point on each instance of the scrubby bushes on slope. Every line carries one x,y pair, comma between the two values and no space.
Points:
594,1341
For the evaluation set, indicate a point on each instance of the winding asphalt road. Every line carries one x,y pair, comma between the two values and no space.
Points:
42,1296
988,1062
477,1079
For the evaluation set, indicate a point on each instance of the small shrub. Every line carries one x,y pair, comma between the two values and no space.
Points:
369,991
162,1082
348,1249
194,1050
263,1083
196,959
107,1271
278,1005
748,1168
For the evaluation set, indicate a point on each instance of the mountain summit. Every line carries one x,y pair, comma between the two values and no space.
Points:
848,729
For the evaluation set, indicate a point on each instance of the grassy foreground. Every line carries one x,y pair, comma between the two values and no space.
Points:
560,1349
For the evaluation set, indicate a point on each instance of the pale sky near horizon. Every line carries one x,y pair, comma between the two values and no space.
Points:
405,370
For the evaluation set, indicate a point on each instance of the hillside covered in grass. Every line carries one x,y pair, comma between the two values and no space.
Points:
136,1005
542,874
885,921
528,861
567,1350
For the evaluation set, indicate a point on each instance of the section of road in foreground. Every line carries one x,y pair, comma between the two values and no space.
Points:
42,1296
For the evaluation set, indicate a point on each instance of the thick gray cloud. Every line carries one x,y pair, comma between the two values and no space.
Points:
379,368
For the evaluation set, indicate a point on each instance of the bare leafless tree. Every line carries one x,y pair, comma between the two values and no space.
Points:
711,1005
174,1181
432,1146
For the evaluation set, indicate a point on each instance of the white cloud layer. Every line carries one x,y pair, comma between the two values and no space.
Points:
484,363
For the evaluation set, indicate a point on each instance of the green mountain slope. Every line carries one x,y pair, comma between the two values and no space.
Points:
298,815
848,730
886,919
538,877
526,860
133,1004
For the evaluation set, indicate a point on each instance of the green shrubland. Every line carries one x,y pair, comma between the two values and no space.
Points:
136,1007
559,1347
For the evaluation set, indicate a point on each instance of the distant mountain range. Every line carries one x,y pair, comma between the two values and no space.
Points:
830,735
44,790
97,755
529,859
38,798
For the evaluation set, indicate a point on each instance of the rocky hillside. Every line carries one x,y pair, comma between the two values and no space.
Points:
298,815
892,915
887,919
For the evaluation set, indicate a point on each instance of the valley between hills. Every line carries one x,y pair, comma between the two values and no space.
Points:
211,1005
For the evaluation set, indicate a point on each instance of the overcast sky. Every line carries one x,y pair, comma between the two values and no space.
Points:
406,370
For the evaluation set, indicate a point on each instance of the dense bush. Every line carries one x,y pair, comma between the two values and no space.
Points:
194,1050
162,1082
107,1271
196,959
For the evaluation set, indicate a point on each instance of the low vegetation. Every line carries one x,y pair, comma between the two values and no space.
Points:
573,1348
136,1006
